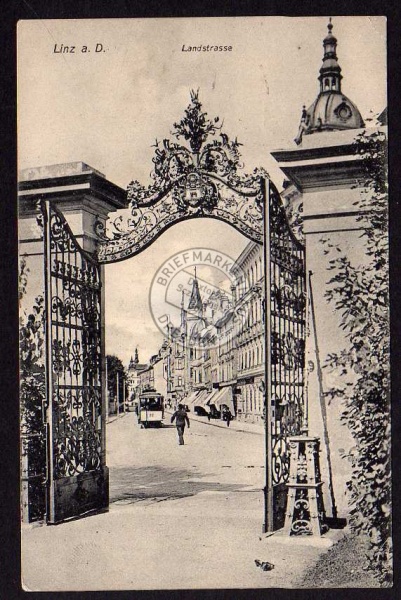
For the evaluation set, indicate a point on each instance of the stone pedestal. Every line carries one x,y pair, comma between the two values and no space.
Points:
305,513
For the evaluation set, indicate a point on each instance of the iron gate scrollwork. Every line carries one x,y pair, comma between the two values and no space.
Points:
77,477
285,356
201,181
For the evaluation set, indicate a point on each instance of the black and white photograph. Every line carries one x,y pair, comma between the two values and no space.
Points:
204,337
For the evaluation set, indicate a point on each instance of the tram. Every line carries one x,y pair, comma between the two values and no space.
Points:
150,409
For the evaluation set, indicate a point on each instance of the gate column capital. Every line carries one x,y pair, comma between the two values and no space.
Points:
82,193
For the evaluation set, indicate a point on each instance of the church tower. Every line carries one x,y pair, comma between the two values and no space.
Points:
195,306
194,313
195,325
332,110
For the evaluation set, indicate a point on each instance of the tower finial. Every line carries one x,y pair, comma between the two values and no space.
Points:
330,72
195,271
331,111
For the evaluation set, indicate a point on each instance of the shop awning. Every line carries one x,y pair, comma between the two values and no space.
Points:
191,398
209,400
200,400
224,396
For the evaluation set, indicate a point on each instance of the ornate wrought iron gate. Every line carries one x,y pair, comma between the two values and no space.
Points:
205,181
285,314
202,181
77,479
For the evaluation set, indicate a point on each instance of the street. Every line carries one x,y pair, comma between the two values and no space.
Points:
180,517
148,465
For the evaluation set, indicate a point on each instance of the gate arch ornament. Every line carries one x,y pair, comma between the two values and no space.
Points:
201,180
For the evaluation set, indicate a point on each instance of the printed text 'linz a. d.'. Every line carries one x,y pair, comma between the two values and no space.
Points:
70,49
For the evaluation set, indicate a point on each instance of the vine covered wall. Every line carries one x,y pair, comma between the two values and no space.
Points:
359,292
32,398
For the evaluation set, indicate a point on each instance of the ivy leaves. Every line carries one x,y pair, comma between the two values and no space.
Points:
360,295
32,376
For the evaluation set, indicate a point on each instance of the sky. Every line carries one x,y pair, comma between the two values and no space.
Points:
107,108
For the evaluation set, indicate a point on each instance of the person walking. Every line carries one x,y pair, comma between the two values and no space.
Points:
228,417
180,417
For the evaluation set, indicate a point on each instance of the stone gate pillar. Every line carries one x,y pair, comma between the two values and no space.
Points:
324,174
84,196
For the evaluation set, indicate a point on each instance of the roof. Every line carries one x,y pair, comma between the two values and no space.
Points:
383,117
228,315
138,367
195,301
236,268
332,111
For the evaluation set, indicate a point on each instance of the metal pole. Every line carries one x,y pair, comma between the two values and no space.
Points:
50,504
305,420
117,393
322,401
123,394
107,392
268,516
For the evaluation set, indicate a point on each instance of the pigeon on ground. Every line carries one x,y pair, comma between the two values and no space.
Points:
264,565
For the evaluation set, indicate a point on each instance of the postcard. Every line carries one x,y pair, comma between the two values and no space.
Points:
204,347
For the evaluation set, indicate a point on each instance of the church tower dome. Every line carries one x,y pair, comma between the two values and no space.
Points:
332,110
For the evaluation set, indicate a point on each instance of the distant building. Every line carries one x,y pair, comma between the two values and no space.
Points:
160,371
222,352
249,334
135,368
146,380
202,361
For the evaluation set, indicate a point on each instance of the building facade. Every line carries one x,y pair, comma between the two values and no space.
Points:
249,335
134,370
216,357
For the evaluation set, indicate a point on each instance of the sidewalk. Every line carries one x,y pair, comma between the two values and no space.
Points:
209,541
113,418
235,425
